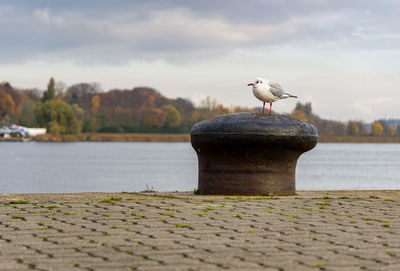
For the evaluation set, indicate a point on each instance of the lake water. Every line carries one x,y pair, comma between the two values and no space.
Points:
114,167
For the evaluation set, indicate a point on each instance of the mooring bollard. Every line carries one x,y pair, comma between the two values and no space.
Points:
250,153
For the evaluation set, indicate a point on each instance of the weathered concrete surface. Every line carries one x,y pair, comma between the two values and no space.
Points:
342,230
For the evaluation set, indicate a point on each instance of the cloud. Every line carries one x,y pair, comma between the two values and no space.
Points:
44,16
193,31
213,48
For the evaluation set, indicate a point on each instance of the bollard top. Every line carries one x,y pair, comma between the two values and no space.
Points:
250,123
249,126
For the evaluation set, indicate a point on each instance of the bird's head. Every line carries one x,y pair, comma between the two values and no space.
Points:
257,83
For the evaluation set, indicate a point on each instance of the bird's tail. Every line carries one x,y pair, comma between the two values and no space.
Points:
287,95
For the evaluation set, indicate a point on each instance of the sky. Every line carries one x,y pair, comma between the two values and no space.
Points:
343,56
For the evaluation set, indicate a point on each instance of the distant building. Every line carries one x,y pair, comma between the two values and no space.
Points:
5,132
35,131
20,131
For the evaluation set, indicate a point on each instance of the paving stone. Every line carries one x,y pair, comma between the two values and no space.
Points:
326,230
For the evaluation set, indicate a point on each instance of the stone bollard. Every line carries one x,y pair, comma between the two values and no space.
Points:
250,153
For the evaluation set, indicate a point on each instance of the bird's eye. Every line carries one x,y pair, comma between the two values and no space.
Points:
257,82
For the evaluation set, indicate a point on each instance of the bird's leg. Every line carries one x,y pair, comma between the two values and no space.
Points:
263,107
270,108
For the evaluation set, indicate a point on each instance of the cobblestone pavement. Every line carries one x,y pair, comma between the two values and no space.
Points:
343,230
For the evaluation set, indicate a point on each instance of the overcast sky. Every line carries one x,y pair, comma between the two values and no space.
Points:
343,56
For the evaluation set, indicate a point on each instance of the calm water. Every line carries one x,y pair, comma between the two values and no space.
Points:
114,167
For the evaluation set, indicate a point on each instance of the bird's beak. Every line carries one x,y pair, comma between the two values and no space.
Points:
250,84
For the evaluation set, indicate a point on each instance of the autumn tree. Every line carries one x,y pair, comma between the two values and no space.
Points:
171,116
377,128
51,91
209,104
27,113
354,128
196,116
59,88
184,106
154,118
238,109
58,117
221,110
7,104
14,105
95,104
306,107
32,94
78,112
298,114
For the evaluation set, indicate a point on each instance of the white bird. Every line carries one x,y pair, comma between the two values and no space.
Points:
268,91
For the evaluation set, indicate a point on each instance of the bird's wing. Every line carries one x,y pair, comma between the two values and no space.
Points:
276,89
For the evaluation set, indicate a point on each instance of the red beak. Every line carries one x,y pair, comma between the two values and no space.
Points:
250,84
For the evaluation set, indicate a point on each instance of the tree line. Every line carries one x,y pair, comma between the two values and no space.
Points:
381,127
85,107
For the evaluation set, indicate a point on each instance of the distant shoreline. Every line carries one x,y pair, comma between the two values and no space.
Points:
359,139
137,137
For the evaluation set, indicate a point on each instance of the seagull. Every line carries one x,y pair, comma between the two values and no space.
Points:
268,91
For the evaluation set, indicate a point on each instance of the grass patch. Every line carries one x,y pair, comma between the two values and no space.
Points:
385,225
371,219
110,200
18,202
389,200
187,226
317,266
18,217
196,191
168,214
